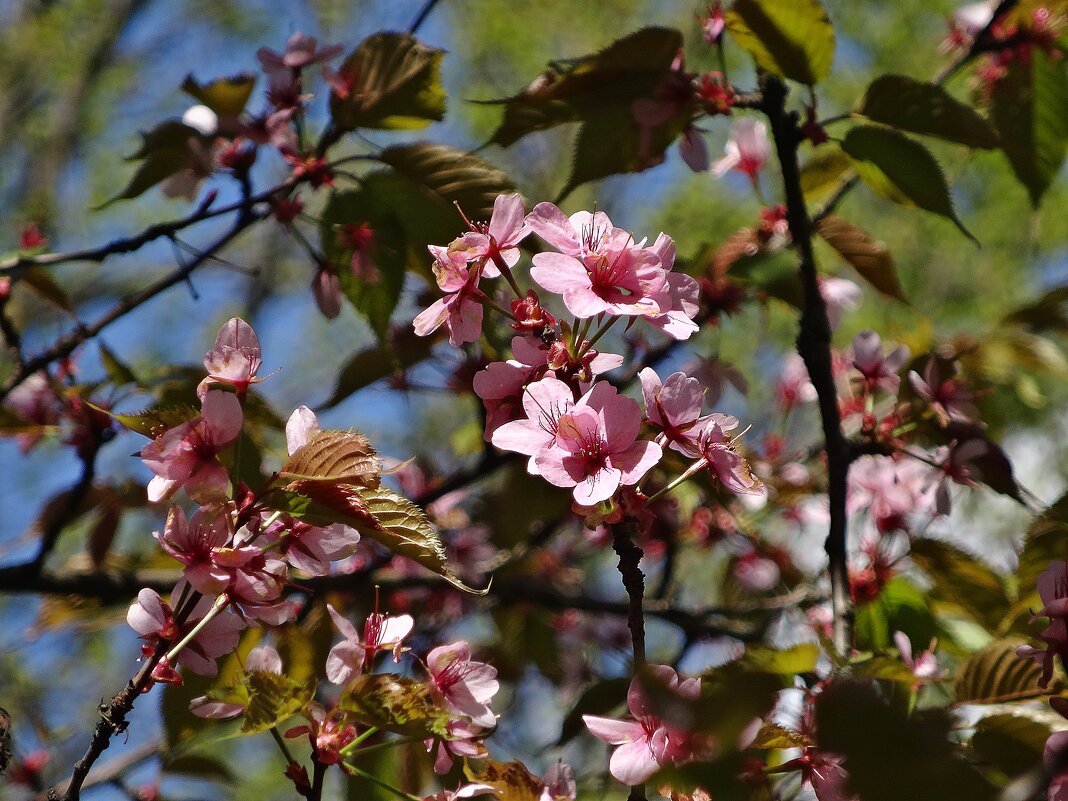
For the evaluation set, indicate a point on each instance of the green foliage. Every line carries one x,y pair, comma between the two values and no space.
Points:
227,97
960,583
790,38
901,169
1029,107
170,147
901,606
395,703
395,83
924,108
375,363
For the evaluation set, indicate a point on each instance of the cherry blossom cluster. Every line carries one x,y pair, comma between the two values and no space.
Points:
548,401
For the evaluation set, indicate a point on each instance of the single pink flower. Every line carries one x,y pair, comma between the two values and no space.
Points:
947,396
464,741
924,665
1053,589
195,543
747,149
879,371
683,295
839,294
234,359
153,618
596,447
713,25
544,402
301,50
717,449
559,784
500,238
184,456
467,686
675,407
794,386
599,269
461,308
646,742
463,791
380,633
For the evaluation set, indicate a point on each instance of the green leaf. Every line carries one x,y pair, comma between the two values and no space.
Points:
790,38
1029,108
924,108
868,256
118,372
512,780
227,97
961,582
44,285
774,736
450,176
304,646
824,171
395,83
273,699
901,606
168,148
781,662
375,207
365,367
1048,313
587,87
1014,743
1044,543
901,169
155,420
997,675
396,703
853,720
336,457
597,699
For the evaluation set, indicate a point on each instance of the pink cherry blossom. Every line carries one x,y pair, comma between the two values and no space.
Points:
301,50
747,149
544,402
327,732
35,402
892,490
879,371
924,665
464,741
326,289
794,386
839,294
646,743
559,784
234,359
466,685
380,633
184,456
500,238
683,292
675,408
599,267
461,308
596,449
500,384
153,618
196,543
1055,760
1052,587
947,396
717,449
714,24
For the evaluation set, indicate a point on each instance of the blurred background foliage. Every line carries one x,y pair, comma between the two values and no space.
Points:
79,78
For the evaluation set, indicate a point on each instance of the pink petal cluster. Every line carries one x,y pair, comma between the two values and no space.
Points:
327,732
234,359
153,618
185,456
879,371
947,396
559,784
349,657
1053,589
466,686
301,51
924,665
463,791
747,150
646,742
590,444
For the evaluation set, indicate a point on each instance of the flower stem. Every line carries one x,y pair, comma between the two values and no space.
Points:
593,341
220,604
693,469
384,785
352,745
286,753
506,271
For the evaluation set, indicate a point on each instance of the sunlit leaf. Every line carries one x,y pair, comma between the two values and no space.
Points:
901,169
1029,107
901,606
396,703
587,87
118,372
868,256
961,582
924,108
273,699
772,735
227,97
511,779
824,171
996,674
790,38
339,457
155,420
394,82
1044,542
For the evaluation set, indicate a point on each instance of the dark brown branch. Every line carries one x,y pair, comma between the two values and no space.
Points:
814,346
630,555
75,497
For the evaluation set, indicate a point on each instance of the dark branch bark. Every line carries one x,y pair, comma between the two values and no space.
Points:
814,346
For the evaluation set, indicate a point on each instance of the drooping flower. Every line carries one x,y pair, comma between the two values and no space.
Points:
879,371
675,408
301,50
559,784
466,685
924,665
185,456
380,633
326,289
153,619
747,149
647,742
234,359
1052,587
599,268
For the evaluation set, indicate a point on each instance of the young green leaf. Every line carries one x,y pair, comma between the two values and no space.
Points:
273,699
335,457
790,38
924,108
868,256
512,780
227,97
396,703
960,582
901,169
1029,107
392,81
